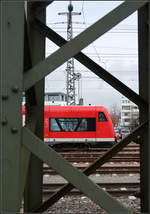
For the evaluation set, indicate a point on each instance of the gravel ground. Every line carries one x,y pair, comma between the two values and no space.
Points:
81,204
113,178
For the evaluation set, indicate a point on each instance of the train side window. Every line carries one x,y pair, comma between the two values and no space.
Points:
91,124
87,124
54,125
101,117
72,124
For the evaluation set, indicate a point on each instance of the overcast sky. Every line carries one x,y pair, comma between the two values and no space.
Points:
116,51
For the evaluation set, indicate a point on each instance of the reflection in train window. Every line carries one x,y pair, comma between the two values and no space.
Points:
72,124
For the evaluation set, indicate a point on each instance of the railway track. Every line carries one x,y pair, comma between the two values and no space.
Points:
98,154
127,149
112,160
125,162
90,156
102,170
116,189
96,150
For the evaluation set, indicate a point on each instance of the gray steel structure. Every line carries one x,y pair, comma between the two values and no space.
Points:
71,76
23,68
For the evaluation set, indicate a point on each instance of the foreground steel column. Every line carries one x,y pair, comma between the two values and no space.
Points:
11,65
144,69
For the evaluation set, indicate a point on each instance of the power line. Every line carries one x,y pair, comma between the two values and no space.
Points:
99,58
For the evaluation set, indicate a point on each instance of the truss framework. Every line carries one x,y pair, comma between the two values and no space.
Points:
23,68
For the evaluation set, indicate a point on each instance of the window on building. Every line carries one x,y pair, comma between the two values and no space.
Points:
72,124
126,120
135,115
125,107
62,97
134,107
53,98
126,114
46,97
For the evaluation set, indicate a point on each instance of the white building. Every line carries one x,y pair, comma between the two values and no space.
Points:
129,113
55,99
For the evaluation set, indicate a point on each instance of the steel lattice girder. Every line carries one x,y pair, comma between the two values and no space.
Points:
35,145
53,65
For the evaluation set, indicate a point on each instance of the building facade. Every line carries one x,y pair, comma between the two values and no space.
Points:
129,113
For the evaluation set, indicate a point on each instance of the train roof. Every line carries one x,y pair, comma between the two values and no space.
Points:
75,108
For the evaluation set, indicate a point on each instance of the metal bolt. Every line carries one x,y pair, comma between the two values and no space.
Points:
4,97
4,122
14,130
15,89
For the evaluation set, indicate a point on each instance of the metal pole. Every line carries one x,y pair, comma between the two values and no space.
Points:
144,67
71,96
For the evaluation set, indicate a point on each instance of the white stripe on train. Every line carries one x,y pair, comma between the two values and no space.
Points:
79,139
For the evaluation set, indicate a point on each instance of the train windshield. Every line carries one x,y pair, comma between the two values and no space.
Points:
72,124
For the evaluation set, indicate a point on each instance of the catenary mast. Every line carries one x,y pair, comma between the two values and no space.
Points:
71,76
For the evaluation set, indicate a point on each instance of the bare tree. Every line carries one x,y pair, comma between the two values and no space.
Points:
115,114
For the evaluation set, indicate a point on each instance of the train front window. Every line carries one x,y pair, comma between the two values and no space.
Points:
101,117
72,124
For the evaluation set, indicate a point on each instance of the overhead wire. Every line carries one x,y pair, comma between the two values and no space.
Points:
83,15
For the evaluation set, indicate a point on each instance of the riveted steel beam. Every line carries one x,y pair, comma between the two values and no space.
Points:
95,165
11,61
69,172
35,106
93,66
144,70
74,46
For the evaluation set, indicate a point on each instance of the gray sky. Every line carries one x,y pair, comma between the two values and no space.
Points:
116,51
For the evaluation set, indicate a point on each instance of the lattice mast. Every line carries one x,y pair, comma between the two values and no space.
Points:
71,76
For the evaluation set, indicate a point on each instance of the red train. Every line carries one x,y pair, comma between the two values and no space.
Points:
78,125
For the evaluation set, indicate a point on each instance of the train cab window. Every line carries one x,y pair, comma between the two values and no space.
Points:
101,117
73,124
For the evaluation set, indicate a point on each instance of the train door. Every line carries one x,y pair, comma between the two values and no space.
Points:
101,126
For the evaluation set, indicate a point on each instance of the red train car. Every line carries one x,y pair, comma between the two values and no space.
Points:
78,124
